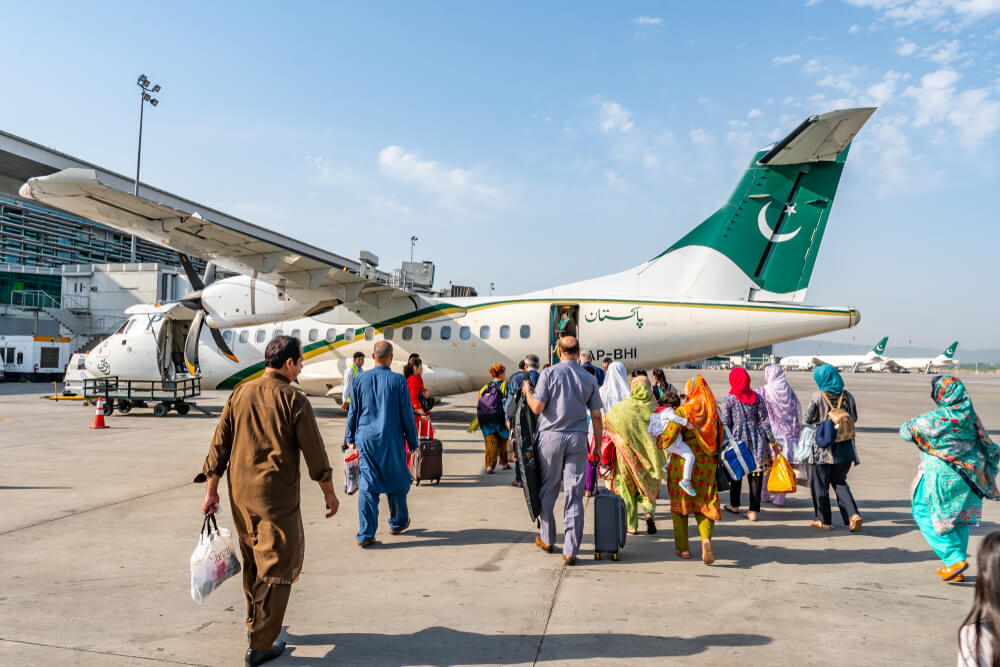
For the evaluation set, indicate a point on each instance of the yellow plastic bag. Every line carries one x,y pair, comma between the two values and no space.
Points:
782,477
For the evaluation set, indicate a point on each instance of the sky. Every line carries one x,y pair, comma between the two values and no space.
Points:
534,144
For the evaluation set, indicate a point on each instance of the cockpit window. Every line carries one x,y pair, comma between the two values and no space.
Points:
81,364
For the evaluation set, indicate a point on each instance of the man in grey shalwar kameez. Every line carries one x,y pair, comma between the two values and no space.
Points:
564,395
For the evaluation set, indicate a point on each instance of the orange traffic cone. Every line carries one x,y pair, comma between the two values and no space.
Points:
99,416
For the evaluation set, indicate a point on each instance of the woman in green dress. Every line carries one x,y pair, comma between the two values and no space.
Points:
958,468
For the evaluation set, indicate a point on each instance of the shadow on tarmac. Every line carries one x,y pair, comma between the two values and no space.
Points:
441,646
437,538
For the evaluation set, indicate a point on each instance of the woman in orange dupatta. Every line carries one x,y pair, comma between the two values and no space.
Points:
702,436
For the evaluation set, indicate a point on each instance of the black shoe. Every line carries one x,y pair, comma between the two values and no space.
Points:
255,658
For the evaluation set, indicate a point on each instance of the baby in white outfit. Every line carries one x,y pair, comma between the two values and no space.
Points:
658,423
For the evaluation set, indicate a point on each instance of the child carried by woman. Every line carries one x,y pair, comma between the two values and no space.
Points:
658,422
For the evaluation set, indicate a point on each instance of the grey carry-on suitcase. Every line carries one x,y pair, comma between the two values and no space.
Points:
425,462
609,525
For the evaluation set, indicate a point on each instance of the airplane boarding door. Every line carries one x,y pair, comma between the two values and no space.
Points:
563,319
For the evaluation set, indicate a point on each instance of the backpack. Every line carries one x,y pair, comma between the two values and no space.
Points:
489,409
841,420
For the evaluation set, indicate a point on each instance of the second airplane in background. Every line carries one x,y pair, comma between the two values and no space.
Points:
844,362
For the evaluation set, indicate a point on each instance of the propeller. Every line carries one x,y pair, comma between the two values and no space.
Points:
193,301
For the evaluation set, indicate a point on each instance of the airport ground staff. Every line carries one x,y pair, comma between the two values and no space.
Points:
564,394
380,423
265,425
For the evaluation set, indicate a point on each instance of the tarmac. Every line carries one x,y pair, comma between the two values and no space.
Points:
98,526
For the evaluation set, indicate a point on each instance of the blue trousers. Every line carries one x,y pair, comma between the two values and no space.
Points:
399,514
951,547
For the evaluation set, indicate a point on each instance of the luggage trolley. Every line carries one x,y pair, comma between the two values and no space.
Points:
128,394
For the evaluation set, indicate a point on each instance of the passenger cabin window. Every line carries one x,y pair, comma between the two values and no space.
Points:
425,333
261,335
276,333
445,333
244,336
370,333
313,334
227,336
331,335
349,335
505,331
484,332
296,334
465,333
388,333
525,331
407,333
81,364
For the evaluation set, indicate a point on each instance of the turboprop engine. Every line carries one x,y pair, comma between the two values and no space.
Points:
243,301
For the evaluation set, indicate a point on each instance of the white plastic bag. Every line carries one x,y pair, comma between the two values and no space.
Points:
351,473
213,561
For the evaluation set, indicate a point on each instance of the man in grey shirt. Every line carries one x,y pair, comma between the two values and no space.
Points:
564,395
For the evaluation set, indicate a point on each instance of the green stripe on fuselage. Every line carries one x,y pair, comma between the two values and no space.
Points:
314,349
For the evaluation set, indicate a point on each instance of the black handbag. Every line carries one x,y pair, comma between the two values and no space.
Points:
426,402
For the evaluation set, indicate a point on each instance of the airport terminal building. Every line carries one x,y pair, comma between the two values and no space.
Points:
63,277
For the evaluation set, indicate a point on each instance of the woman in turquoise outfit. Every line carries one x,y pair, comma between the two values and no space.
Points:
958,468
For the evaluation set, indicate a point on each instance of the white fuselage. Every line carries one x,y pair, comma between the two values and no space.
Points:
459,339
914,364
855,362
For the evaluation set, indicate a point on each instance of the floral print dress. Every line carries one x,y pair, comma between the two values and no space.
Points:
749,423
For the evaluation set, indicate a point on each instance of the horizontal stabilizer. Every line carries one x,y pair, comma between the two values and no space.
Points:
819,138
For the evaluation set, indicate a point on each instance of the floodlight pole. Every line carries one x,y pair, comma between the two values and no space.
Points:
413,242
144,96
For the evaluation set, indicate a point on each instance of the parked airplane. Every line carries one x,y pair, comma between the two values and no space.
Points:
735,282
851,362
920,364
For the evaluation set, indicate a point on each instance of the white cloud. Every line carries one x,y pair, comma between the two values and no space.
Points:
754,113
883,91
615,117
933,96
812,66
434,179
785,60
330,174
386,205
944,53
810,3
905,48
906,12
701,137
854,29
973,113
648,20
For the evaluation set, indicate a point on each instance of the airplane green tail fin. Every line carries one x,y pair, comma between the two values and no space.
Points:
949,352
772,225
879,348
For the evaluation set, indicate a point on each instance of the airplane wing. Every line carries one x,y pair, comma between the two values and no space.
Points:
232,244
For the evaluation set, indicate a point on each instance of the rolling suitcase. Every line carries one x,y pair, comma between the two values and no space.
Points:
425,462
609,525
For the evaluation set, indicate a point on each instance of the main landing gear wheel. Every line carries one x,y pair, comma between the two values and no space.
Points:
182,408
109,407
124,407
161,409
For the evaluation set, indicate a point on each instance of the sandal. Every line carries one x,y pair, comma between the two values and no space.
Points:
819,524
489,470
731,509
633,532
855,526
650,525
751,515
686,555
517,484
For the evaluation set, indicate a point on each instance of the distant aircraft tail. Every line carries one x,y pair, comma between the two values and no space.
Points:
772,225
949,353
879,348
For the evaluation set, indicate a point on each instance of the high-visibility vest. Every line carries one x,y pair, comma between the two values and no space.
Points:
354,373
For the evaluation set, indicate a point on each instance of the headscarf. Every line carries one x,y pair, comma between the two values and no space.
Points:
615,387
828,379
739,385
638,458
953,433
783,408
702,413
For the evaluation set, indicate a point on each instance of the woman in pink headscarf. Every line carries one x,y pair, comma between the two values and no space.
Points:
743,412
785,414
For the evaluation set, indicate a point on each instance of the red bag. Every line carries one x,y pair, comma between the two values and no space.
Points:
425,431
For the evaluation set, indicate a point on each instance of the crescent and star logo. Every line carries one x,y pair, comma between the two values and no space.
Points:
766,230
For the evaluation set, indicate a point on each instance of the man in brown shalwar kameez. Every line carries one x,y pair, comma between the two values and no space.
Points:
264,426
